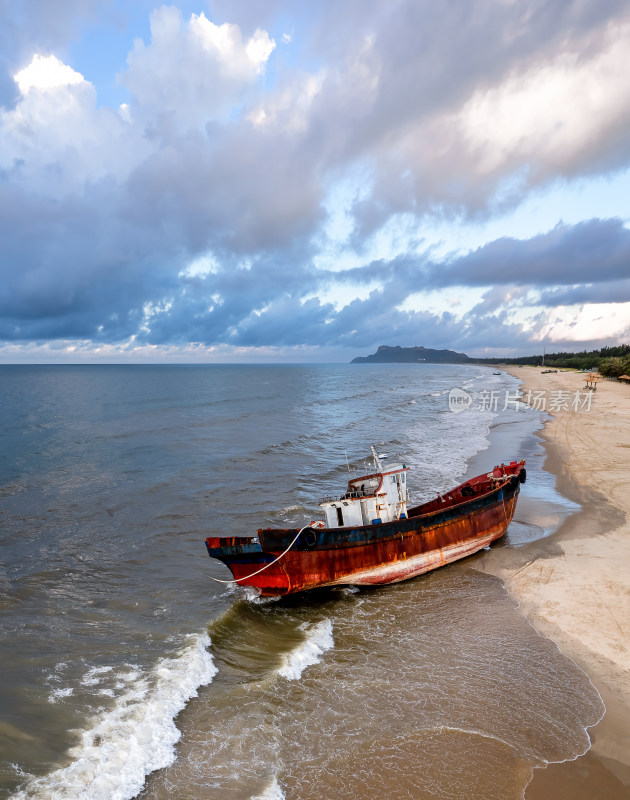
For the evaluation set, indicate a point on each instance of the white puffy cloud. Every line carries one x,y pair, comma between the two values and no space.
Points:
193,71
55,138
46,72
38,26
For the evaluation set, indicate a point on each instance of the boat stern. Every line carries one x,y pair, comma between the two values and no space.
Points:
516,468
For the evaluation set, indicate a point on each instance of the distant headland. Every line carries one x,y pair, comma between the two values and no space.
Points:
412,355
611,362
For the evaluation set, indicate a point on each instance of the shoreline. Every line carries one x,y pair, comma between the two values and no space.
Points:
574,586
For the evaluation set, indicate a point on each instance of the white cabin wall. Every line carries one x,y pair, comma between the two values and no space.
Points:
352,514
331,517
395,493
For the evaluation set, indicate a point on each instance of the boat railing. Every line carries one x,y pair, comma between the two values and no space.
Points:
346,496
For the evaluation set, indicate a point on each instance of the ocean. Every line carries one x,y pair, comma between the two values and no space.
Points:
129,672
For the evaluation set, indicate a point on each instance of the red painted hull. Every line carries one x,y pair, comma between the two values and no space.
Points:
434,534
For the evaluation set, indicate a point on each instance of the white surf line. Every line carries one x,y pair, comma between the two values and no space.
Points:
319,639
135,737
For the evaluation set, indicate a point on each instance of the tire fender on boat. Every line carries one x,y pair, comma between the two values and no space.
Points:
522,476
309,538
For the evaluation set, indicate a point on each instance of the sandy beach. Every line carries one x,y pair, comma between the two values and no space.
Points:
575,586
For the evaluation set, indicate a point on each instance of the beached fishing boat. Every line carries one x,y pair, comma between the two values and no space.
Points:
370,536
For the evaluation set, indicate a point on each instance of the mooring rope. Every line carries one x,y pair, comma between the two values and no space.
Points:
262,569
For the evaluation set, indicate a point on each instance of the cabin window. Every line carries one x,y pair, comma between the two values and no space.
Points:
339,516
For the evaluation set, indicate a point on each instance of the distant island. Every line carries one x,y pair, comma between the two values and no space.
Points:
412,355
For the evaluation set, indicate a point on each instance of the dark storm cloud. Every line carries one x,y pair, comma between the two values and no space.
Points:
69,267
281,317
613,292
589,252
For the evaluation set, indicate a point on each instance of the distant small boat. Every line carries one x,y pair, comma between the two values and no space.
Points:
497,373
370,537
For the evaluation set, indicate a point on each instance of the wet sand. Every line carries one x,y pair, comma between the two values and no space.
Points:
574,587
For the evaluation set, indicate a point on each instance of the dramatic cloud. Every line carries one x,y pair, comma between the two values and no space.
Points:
271,176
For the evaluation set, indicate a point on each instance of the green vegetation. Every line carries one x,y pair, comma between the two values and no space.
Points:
610,361
615,366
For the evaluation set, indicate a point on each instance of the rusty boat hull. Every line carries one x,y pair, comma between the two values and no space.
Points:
461,522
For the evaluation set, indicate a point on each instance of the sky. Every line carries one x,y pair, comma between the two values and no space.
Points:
290,181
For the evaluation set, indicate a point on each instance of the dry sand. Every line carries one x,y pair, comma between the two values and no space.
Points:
575,586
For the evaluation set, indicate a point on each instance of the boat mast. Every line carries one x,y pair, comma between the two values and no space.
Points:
377,461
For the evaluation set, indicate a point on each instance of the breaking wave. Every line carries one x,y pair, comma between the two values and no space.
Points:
136,737
319,639
272,792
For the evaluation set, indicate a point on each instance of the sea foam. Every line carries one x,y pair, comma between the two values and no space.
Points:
135,737
319,638
272,792
94,675
58,694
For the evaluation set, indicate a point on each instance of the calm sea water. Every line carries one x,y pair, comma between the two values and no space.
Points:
128,671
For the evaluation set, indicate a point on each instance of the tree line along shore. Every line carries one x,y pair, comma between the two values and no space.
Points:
611,362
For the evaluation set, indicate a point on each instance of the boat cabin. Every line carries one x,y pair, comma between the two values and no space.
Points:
369,499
